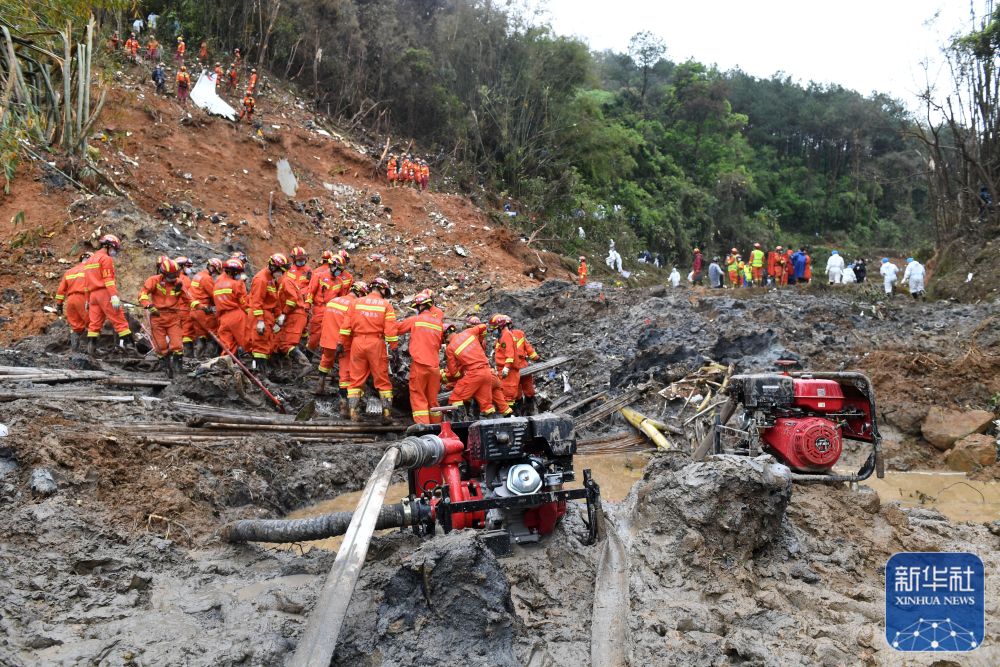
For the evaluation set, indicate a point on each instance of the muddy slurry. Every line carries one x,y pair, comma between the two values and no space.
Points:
120,562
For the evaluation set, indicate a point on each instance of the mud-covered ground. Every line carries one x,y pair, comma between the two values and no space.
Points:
122,565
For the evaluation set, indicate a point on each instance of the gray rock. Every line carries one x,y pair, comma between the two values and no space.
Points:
42,483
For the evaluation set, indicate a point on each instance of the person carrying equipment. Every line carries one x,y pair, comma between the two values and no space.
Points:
71,301
426,330
103,301
165,299
371,327
183,85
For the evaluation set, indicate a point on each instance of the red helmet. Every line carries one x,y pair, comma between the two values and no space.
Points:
110,240
240,255
756,245
233,264
472,320
383,286
425,296
298,252
277,261
734,250
344,256
327,257
168,265
582,258
359,287
184,261
499,321
215,264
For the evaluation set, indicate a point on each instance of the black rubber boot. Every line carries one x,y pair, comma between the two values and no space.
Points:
354,409
386,411
189,349
92,346
321,385
74,342
199,348
166,363
345,409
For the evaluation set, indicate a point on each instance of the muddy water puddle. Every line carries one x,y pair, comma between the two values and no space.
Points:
951,493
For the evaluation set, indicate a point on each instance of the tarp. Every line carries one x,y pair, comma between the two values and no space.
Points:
205,97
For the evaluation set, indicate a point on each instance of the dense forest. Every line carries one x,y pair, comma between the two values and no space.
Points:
658,154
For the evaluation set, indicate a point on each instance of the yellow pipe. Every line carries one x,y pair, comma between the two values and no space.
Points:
645,426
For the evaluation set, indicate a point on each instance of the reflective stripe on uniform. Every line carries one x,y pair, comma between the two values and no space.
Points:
372,309
429,325
465,344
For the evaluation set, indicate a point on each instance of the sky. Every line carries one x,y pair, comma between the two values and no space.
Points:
865,45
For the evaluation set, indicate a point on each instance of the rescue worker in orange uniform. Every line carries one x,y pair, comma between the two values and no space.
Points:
153,49
165,299
231,300
390,170
181,50
789,270
132,48
71,301
426,330
103,301
808,275
318,293
581,271
469,369
336,345
219,74
504,357
187,325
203,318
232,79
265,309
183,85
252,83
294,312
203,53
342,278
757,265
248,108
371,327
773,264
524,352
732,267
424,176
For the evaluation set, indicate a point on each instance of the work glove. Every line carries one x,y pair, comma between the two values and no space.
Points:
276,328
505,372
260,327
210,310
280,321
153,311
339,352
116,303
59,307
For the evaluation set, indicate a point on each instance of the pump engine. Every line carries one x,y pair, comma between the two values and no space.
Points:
802,419
506,476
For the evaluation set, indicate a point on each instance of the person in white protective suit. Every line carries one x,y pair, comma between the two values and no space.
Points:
914,275
675,277
848,277
889,272
835,267
613,260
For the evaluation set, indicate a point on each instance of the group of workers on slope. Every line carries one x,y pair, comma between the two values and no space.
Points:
404,170
182,80
288,308
781,267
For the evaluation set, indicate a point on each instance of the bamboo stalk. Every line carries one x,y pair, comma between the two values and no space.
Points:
639,421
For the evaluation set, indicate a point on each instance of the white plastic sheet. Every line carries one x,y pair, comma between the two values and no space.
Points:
289,184
204,96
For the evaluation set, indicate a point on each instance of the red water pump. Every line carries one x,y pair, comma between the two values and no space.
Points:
802,419
505,476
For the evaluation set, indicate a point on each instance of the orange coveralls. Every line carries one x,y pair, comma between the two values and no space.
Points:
523,353
467,363
202,292
292,301
264,305
172,302
426,331
230,297
319,292
503,357
582,272
72,293
372,325
100,278
187,324
335,332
